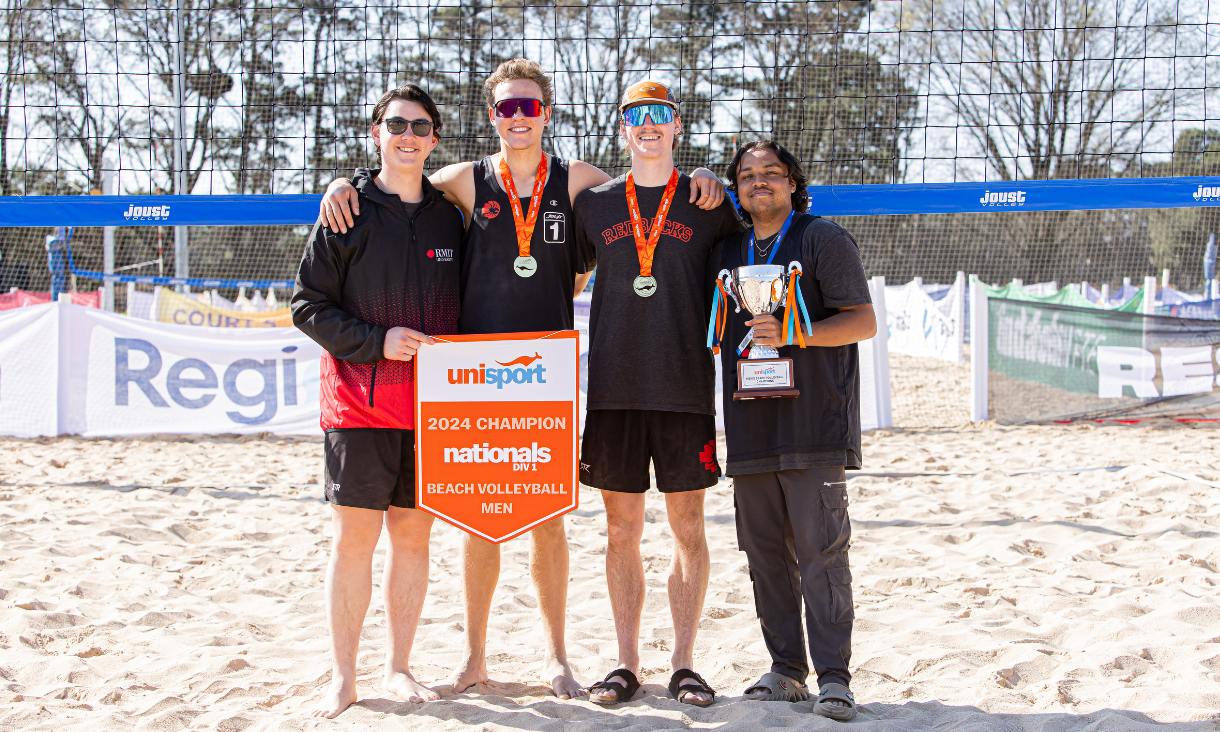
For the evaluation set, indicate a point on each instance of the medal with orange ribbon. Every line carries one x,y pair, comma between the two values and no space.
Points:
646,246
524,265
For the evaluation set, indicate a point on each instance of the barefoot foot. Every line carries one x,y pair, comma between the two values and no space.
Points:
563,682
474,671
402,686
339,695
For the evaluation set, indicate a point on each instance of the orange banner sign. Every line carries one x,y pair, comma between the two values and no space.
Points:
495,430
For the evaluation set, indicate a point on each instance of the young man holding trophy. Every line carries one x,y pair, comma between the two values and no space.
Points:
792,418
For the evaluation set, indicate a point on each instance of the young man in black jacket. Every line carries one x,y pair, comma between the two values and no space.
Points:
370,297
787,456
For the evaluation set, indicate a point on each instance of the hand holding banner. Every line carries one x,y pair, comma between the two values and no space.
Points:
495,430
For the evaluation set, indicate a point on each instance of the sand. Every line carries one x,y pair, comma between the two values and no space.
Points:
1017,578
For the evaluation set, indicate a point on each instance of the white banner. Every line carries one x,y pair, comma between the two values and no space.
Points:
921,326
125,377
65,369
29,377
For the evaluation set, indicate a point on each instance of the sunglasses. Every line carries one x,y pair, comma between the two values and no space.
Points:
527,107
398,125
661,114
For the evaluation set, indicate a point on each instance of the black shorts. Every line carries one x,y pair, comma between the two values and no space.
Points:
618,444
370,468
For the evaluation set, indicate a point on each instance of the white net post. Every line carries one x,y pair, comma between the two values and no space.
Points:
109,188
1149,305
978,350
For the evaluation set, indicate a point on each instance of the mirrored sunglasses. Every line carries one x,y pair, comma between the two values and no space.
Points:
661,114
527,107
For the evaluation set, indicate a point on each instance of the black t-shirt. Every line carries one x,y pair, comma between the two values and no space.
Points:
650,352
494,298
821,427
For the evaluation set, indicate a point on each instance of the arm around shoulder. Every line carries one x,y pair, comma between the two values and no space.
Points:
456,181
583,176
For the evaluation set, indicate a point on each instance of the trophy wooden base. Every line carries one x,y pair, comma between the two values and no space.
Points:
742,394
762,378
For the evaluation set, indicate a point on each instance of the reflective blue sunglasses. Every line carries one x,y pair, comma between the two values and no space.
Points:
661,114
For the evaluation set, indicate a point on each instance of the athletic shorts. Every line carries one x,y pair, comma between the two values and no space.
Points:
370,468
619,443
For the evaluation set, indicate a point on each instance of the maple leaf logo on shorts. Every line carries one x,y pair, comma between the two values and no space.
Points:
708,457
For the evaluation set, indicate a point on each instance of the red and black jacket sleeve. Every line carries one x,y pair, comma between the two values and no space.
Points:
316,300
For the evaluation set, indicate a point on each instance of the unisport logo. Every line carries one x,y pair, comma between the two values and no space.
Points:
520,370
1003,198
146,213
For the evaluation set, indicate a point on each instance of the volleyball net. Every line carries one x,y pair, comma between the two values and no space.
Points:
1050,142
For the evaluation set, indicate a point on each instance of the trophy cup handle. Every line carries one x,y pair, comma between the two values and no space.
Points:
725,278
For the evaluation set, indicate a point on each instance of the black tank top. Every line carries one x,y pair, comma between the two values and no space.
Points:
494,298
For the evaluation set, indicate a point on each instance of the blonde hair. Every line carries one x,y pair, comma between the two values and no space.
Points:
518,68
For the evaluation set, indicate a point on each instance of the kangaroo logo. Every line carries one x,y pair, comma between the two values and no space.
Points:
522,360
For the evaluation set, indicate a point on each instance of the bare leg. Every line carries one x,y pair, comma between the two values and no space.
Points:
481,573
624,577
549,569
687,577
406,585
349,585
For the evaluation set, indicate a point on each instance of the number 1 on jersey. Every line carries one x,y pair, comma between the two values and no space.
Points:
554,227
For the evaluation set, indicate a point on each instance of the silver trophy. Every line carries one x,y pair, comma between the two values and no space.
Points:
761,289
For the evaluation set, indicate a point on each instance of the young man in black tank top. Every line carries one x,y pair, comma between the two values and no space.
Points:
496,298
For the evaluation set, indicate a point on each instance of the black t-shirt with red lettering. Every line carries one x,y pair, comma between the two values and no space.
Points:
650,352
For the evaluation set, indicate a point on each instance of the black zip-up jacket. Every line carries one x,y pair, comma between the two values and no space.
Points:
399,265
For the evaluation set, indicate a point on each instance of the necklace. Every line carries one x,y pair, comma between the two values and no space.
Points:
770,242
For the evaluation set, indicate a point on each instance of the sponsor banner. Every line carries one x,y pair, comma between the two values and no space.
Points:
1200,310
126,377
921,326
29,379
1043,195
173,307
23,298
496,427
160,210
1049,362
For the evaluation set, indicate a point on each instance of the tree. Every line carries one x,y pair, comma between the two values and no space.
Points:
75,109
837,107
1045,89
209,73
1179,235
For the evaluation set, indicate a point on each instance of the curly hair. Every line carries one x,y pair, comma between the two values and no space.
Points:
796,174
519,68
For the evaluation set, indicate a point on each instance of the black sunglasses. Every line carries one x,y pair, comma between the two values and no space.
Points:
398,125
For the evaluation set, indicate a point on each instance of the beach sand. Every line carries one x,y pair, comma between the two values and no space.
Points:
1018,578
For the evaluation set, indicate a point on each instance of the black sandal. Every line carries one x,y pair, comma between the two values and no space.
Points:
677,688
622,692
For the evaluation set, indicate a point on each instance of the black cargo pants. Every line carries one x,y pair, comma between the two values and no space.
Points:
794,529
